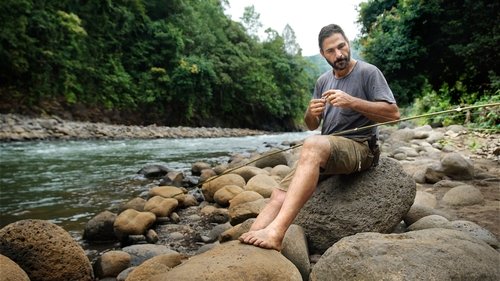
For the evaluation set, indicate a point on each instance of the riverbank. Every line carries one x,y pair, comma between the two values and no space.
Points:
21,128
456,172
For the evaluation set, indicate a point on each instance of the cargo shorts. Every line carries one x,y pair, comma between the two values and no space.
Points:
347,156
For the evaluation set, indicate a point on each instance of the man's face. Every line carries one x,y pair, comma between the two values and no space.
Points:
335,49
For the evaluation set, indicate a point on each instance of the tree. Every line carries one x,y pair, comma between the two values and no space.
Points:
251,21
291,45
417,42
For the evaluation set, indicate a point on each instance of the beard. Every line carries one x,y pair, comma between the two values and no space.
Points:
340,64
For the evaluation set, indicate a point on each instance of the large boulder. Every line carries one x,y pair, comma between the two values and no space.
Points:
234,261
45,251
431,254
375,200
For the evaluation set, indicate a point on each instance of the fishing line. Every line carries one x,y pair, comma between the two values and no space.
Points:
268,154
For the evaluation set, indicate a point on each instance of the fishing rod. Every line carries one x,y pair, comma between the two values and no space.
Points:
458,109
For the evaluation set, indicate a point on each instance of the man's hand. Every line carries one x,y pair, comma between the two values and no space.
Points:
316,107
338,98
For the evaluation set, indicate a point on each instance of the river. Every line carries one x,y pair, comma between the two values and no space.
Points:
69,182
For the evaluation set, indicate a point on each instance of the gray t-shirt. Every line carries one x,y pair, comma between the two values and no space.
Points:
365,81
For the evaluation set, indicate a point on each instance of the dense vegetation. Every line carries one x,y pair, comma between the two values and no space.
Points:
436,53
176,62
184,62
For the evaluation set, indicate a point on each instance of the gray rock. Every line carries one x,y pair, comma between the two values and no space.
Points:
418,211
457,167
463,195
374,200
431,254
476,231
155,266
142,252
432,221
295,250
100,228
153,171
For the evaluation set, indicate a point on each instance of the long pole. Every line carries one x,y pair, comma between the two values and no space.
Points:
458,109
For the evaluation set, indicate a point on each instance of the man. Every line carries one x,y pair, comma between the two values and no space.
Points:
354,94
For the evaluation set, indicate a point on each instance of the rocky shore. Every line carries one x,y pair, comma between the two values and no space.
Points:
429,211
21,128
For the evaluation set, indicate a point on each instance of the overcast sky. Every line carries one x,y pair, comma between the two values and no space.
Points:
305,17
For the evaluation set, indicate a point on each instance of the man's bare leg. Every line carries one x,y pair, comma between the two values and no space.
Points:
314,154
270,211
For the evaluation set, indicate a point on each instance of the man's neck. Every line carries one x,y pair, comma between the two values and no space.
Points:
346,71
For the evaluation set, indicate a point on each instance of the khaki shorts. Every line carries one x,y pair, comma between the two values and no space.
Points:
347,156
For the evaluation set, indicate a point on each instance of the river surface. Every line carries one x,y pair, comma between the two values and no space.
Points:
69,182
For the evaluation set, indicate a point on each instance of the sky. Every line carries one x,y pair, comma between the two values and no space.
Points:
305,17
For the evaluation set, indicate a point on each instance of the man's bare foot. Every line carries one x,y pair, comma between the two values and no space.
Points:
264,238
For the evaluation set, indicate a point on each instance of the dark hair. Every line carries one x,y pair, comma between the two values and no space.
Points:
328,31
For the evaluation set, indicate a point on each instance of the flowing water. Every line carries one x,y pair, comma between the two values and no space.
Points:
69,182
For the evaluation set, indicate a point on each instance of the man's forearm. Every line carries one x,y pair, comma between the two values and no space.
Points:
378,111
312,122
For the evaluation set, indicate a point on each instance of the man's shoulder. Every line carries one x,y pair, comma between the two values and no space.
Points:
366,66
326,76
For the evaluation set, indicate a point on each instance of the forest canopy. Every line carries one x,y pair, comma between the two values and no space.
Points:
185,62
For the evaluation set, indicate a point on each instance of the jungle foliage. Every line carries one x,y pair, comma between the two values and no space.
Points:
185,62
176,62
437,45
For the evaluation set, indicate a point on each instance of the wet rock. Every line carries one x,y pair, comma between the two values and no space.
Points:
143,252
197,167
153,171
100,228
173,178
